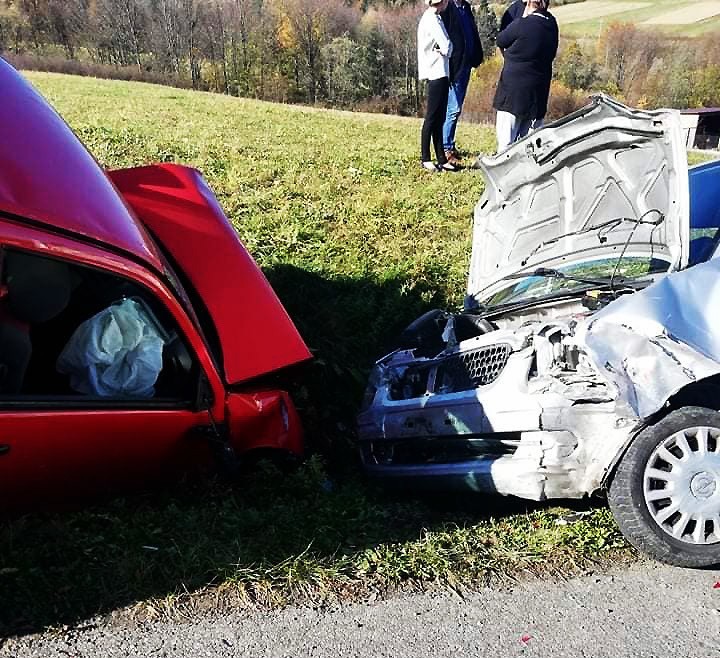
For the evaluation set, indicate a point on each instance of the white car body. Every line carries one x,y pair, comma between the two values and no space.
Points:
539,385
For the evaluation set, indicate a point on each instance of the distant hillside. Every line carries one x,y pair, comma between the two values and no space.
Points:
686,18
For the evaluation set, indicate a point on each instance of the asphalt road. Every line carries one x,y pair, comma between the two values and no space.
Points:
642,610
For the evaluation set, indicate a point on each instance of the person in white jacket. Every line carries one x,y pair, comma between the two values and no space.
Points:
434,49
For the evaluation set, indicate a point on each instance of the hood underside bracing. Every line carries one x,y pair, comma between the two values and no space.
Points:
604,181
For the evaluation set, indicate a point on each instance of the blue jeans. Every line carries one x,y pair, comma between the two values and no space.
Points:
456,98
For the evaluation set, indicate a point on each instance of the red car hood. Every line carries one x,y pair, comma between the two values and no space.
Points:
255,332
49,177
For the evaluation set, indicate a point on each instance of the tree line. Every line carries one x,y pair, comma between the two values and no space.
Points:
357,54
312,51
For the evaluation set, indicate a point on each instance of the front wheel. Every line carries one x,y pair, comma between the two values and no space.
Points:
665,494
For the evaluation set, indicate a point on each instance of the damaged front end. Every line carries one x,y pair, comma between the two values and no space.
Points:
515,409
662,342
506,396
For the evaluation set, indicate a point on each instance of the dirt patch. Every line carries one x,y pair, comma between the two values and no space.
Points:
693,12
587,11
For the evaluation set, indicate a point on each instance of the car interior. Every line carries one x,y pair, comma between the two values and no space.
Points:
43,301
704,211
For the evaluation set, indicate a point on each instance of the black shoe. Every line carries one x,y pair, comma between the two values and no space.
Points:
449,166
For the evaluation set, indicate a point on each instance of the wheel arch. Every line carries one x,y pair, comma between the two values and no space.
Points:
701,393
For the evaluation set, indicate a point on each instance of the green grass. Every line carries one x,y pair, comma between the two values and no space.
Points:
696,157
274,539
592,27
358,241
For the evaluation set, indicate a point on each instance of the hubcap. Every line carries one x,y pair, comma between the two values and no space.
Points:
681,485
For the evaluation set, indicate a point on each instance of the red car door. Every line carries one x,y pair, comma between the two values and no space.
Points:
61,455
58,442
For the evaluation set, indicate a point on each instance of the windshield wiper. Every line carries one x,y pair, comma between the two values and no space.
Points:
641,220
602,229
551,273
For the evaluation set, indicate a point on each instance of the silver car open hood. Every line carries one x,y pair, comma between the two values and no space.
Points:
569,192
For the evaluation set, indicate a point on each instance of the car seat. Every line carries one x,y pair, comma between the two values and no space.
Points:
36,289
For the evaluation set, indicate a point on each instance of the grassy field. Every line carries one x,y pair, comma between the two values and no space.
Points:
587,19
358,241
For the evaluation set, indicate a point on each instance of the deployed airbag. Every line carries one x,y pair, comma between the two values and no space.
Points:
117,352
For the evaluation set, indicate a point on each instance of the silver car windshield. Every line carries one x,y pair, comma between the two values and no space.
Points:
553,282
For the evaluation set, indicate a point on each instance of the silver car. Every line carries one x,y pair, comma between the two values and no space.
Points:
587,356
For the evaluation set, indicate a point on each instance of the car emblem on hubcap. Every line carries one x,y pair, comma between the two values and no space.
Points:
703,485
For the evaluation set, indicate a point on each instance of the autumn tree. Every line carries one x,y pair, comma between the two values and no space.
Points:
344,63
120,29
253,44
13,26
575,69
399,27
37,19
487,25
213,44
167,35
706,87
376,71
65,22
626,54
304,26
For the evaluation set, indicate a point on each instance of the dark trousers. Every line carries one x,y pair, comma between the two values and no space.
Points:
437,98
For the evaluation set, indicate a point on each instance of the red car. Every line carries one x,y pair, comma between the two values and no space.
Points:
136,332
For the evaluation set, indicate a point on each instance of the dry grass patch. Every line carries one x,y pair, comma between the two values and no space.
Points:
586,11
693,12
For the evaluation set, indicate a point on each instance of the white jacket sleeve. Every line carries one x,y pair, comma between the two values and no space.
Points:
434,47
440,36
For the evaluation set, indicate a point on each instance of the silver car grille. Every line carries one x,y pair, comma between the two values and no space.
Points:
477,367
459,372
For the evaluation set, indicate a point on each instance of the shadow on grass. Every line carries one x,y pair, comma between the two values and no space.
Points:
269,532
348,323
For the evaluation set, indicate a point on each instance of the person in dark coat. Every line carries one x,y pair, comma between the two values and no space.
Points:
467,54
529,46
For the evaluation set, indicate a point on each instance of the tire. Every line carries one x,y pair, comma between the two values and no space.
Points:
675,516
